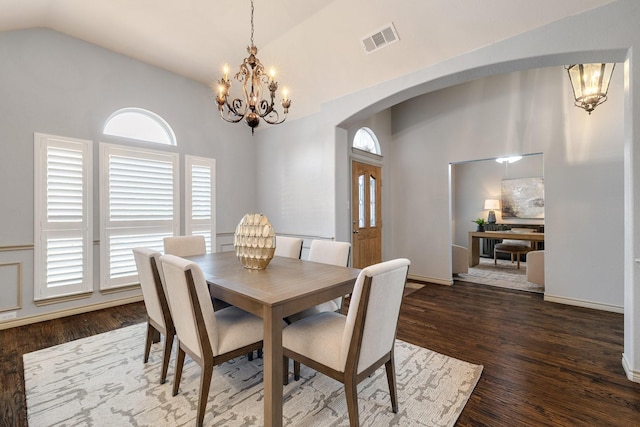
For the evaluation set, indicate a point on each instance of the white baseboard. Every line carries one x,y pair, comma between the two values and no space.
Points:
584,303
631,374
68,312
447,282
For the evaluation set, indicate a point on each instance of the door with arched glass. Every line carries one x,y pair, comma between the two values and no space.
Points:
366,214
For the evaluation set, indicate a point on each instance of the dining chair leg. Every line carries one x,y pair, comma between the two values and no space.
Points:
285,370
168,344
147,343
205,384
250,355
296,370
391,380
351,394
179,365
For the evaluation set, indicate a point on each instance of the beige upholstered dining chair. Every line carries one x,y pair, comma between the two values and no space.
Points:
326,252
185,245
459,260
330,252
290,247
155,301
350,348
209,338
535,267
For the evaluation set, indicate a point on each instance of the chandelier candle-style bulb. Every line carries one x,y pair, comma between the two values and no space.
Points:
286,102
251,106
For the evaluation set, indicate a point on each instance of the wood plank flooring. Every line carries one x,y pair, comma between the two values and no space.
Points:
545,364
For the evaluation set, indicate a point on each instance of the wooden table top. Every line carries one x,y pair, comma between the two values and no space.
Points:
283,282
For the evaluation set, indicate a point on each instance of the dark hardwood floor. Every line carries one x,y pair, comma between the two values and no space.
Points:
544,363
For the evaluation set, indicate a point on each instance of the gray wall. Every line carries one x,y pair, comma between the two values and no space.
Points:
296,178
55,84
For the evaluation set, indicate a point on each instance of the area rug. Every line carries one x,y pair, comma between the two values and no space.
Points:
102,381
504,275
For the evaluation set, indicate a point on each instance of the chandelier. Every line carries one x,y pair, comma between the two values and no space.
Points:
590,84
252,106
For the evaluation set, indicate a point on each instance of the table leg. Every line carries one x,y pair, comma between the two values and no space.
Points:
272,375
474,251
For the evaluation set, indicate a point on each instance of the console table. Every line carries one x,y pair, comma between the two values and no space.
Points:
475,236
487,245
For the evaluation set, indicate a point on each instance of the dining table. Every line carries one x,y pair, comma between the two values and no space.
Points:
285,287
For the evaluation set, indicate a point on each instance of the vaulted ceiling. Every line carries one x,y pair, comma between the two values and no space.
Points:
315,45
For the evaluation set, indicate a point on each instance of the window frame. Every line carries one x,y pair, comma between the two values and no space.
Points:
374,139
44,229
162,123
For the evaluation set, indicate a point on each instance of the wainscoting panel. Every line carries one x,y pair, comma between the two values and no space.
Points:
10,286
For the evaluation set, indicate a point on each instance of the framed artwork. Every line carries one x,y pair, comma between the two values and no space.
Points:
523,198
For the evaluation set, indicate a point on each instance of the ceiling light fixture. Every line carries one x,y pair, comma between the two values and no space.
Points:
511,159
252,107
590,84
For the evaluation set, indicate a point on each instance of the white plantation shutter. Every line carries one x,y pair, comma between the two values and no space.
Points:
64,260
200,192
63,218
200,199
140,189
140,206
65,184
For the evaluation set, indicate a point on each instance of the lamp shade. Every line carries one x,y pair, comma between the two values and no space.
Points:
590,84
492,204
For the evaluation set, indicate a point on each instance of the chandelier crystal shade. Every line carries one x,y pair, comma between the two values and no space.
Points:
590,84
255,83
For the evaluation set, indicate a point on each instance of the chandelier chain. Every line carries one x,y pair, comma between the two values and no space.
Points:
251,22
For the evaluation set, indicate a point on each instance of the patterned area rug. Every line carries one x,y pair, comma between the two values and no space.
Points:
504,275
101,381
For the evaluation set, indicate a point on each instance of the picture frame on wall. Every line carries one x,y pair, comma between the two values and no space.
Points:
523,198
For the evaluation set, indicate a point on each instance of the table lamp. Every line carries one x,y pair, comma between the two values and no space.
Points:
491,204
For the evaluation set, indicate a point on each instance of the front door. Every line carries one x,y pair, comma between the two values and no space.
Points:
366,212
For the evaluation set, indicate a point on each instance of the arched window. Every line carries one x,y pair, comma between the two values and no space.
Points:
140,124
366,140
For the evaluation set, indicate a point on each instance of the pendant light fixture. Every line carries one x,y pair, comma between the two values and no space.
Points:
590,84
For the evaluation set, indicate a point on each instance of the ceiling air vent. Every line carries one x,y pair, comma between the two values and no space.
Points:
380,38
